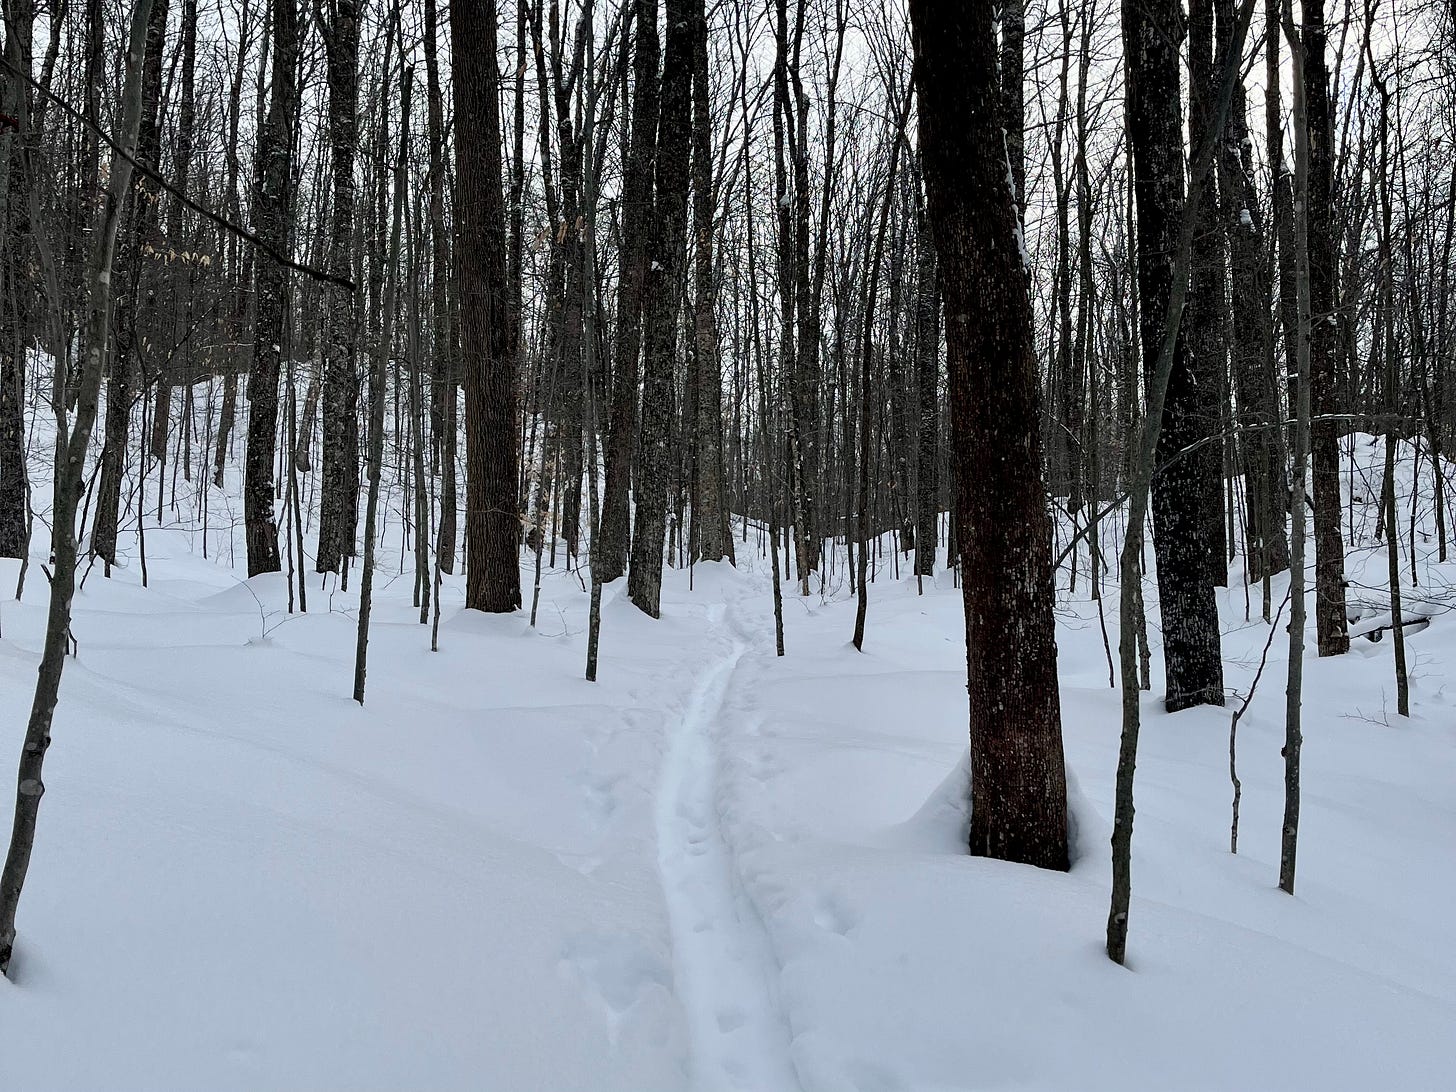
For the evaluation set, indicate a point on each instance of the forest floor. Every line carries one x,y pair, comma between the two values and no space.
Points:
713,869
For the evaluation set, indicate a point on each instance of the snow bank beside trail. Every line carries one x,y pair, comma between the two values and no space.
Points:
907,965
244,881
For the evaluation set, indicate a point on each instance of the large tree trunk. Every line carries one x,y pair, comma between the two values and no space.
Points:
338,487
644,578
1329,545
492,526
1018,792
1191,651
1207,316
272,207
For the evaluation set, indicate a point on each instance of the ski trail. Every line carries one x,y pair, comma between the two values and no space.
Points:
724,968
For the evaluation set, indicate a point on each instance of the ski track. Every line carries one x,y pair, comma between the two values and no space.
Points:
723,963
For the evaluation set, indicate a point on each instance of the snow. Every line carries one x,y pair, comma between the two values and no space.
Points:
714,869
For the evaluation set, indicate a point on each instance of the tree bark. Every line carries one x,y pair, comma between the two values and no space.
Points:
1207,317
1329,544
927,383
445,382
339,482
15,296
1018,792
1191,644
272,208
492,523
710,513
609,555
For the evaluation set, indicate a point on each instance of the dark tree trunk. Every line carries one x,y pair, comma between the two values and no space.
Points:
644,578
338,487
1206,317
798,424
492,527
272,207
609,553
1018,792
338,492
1013,93
1266,546
181,172
1191,649
127,378
1329,545
927,381
14,283
710,512
444,381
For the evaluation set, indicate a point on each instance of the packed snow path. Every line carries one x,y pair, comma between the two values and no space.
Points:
723,961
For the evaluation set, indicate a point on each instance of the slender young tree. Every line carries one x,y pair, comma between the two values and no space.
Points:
1019,789
73,435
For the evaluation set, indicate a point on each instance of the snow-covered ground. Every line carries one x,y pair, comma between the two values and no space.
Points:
713,869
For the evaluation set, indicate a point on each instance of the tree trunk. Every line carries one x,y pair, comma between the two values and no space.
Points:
338,486
1191,647
710,512
927,382
1018,792
272,208
14,293
609,555
444,381
492,523
1266,546
1207,316
70,460
127,378
1329,545
644,578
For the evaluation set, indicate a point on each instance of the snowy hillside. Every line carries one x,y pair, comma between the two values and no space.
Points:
714,869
